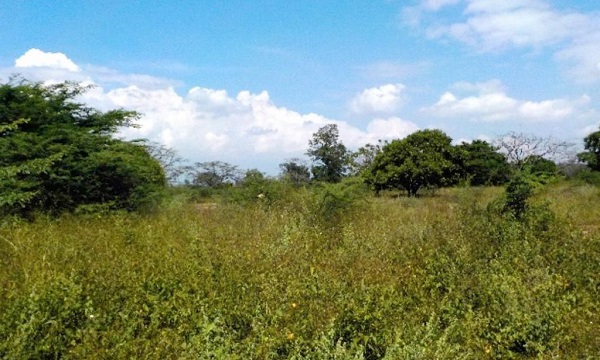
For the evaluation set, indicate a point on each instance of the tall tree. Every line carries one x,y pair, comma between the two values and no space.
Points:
592,156
329,154
423,159
519,148
57,155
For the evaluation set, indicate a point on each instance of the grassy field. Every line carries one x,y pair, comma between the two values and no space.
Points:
444,276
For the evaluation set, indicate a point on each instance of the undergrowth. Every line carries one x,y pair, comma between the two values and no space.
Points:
309,275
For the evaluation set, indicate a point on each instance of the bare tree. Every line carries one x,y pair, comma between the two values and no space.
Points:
519,148
171,162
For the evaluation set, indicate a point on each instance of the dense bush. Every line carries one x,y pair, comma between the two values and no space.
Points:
441,277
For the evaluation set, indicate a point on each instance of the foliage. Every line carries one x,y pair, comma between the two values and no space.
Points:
214,174
57,155
427,278
295,172
518,190
423,159
591,157
483,164
329,154
362,159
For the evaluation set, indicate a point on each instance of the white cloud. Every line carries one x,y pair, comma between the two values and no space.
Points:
38,58
492,26
435,5
209,124
383,99
491,103
392,128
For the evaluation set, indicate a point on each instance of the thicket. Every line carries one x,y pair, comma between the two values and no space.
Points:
321,273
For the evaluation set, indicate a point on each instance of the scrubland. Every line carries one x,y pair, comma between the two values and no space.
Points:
309,275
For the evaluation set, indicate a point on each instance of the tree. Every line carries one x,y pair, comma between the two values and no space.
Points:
519,148
592,156
59,155
214,174
295,172
329,155
425,158
363,158
483,164
168,158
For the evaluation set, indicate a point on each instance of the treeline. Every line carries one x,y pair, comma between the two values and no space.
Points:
58,155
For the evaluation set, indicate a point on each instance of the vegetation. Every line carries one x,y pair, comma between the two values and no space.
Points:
239,265
592,154
439,277
57,155
329,155
423,159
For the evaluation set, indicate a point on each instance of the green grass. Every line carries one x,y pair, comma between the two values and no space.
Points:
439,277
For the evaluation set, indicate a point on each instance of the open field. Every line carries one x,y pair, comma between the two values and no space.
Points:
439,277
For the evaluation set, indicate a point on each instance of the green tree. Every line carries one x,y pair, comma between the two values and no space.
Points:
592,156
483,164
58,155
329,155
214,174
424,159
295,172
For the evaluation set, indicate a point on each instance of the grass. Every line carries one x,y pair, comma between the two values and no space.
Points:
440,277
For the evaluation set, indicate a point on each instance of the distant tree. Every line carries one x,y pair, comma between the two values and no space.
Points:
171,162
59,155
483,164
214,174
591,157
363,158
295,172
423,159
519,148
329,155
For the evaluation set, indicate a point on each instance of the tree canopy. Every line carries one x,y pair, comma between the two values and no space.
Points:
423,159
483,164
591,157
329,154
59,155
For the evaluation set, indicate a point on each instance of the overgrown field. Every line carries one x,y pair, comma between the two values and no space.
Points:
444,276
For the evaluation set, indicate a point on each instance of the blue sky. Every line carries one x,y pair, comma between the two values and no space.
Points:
248,82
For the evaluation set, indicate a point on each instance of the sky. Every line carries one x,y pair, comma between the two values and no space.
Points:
249,82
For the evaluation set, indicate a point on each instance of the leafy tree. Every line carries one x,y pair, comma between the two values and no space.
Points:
295,172
425,158
214,174
540,166
59,155
592,156
483,164
329,155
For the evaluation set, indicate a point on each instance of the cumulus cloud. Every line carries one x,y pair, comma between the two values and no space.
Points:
382,99
491,103
39,58
493,26
205,124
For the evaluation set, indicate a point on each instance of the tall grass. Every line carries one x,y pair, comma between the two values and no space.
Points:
439,277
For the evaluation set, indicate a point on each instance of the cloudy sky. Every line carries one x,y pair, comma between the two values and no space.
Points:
249,82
